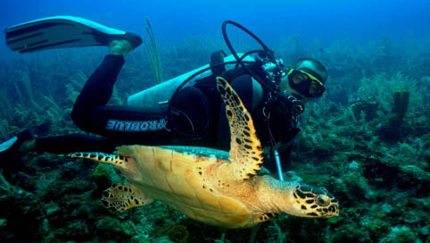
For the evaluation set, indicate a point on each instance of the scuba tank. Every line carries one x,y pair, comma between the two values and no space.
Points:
155,99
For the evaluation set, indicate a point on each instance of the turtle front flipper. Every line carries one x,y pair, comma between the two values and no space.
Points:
245,148
124,196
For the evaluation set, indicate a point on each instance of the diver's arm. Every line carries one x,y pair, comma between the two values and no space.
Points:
285,157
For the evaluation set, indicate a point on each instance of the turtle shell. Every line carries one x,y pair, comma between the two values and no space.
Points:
185,182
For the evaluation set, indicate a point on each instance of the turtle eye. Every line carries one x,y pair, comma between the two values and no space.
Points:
323,200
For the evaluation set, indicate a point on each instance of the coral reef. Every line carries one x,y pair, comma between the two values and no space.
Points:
367,141
22,214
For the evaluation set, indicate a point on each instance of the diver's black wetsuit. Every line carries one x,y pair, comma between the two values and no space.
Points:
199,120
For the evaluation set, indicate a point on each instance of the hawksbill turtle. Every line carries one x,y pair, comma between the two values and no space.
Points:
212,186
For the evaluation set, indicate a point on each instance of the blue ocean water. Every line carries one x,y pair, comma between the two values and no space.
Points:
360,20
367,140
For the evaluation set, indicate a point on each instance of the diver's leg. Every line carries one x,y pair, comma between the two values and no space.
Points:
99,87
98,90
126,123
77,142
61,144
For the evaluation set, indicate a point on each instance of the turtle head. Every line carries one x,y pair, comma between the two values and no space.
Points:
313,202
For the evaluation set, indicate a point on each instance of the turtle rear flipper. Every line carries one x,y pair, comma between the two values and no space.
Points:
124,196
117,160
127,165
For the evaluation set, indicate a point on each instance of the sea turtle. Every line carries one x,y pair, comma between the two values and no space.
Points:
212,186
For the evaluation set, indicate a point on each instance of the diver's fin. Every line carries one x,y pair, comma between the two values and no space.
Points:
12,145
63,31
124,196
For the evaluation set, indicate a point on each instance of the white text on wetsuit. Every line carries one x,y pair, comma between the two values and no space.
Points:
135,126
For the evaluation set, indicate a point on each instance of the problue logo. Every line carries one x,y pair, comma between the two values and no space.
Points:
136,126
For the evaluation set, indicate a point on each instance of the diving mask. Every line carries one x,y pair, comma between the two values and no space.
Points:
305,83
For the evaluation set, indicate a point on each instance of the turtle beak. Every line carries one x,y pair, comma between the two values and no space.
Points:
329,206
333,210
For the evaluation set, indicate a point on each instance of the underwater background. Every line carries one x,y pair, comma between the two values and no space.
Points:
367,140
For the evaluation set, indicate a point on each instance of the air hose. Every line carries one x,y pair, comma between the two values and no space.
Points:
266,52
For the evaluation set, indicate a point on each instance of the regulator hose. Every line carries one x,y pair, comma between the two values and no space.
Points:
265,53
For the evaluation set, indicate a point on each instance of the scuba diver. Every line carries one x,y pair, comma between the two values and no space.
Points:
186,110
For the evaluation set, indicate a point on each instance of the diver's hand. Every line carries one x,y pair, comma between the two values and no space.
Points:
292,176
296,106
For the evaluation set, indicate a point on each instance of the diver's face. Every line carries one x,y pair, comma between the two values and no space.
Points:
287,90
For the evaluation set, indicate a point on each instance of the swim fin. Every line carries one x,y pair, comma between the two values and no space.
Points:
63,31
12,145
